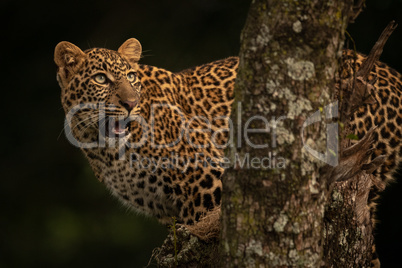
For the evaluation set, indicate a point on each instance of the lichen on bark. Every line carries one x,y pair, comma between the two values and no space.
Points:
288,60
299,214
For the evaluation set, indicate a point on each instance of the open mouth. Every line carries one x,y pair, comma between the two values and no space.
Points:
115,128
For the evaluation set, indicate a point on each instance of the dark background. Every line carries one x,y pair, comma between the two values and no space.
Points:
54,213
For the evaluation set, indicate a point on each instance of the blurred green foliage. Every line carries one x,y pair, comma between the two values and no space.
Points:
54,212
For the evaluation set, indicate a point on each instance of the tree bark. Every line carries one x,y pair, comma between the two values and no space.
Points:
288,62
284,205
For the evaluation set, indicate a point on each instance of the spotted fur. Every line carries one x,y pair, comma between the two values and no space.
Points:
181,119
385,112
184,125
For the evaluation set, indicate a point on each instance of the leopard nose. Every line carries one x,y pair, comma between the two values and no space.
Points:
129,105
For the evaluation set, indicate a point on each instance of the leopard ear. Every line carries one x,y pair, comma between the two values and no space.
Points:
131,50
67,54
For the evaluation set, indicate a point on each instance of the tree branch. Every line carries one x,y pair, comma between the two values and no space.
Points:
357,9
376,51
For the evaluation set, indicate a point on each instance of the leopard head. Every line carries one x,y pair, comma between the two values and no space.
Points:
100,89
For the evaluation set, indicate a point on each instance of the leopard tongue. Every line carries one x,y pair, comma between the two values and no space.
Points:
117,129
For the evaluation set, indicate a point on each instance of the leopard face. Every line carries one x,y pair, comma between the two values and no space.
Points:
100,89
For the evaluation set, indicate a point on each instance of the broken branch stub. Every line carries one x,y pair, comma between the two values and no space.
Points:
376,51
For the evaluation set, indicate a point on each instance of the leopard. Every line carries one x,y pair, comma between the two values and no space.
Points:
156,138
163,132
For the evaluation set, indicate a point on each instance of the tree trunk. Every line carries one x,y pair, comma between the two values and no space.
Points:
274,216
293,196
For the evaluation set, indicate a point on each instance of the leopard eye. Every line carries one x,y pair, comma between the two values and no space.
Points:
100,78
131,77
